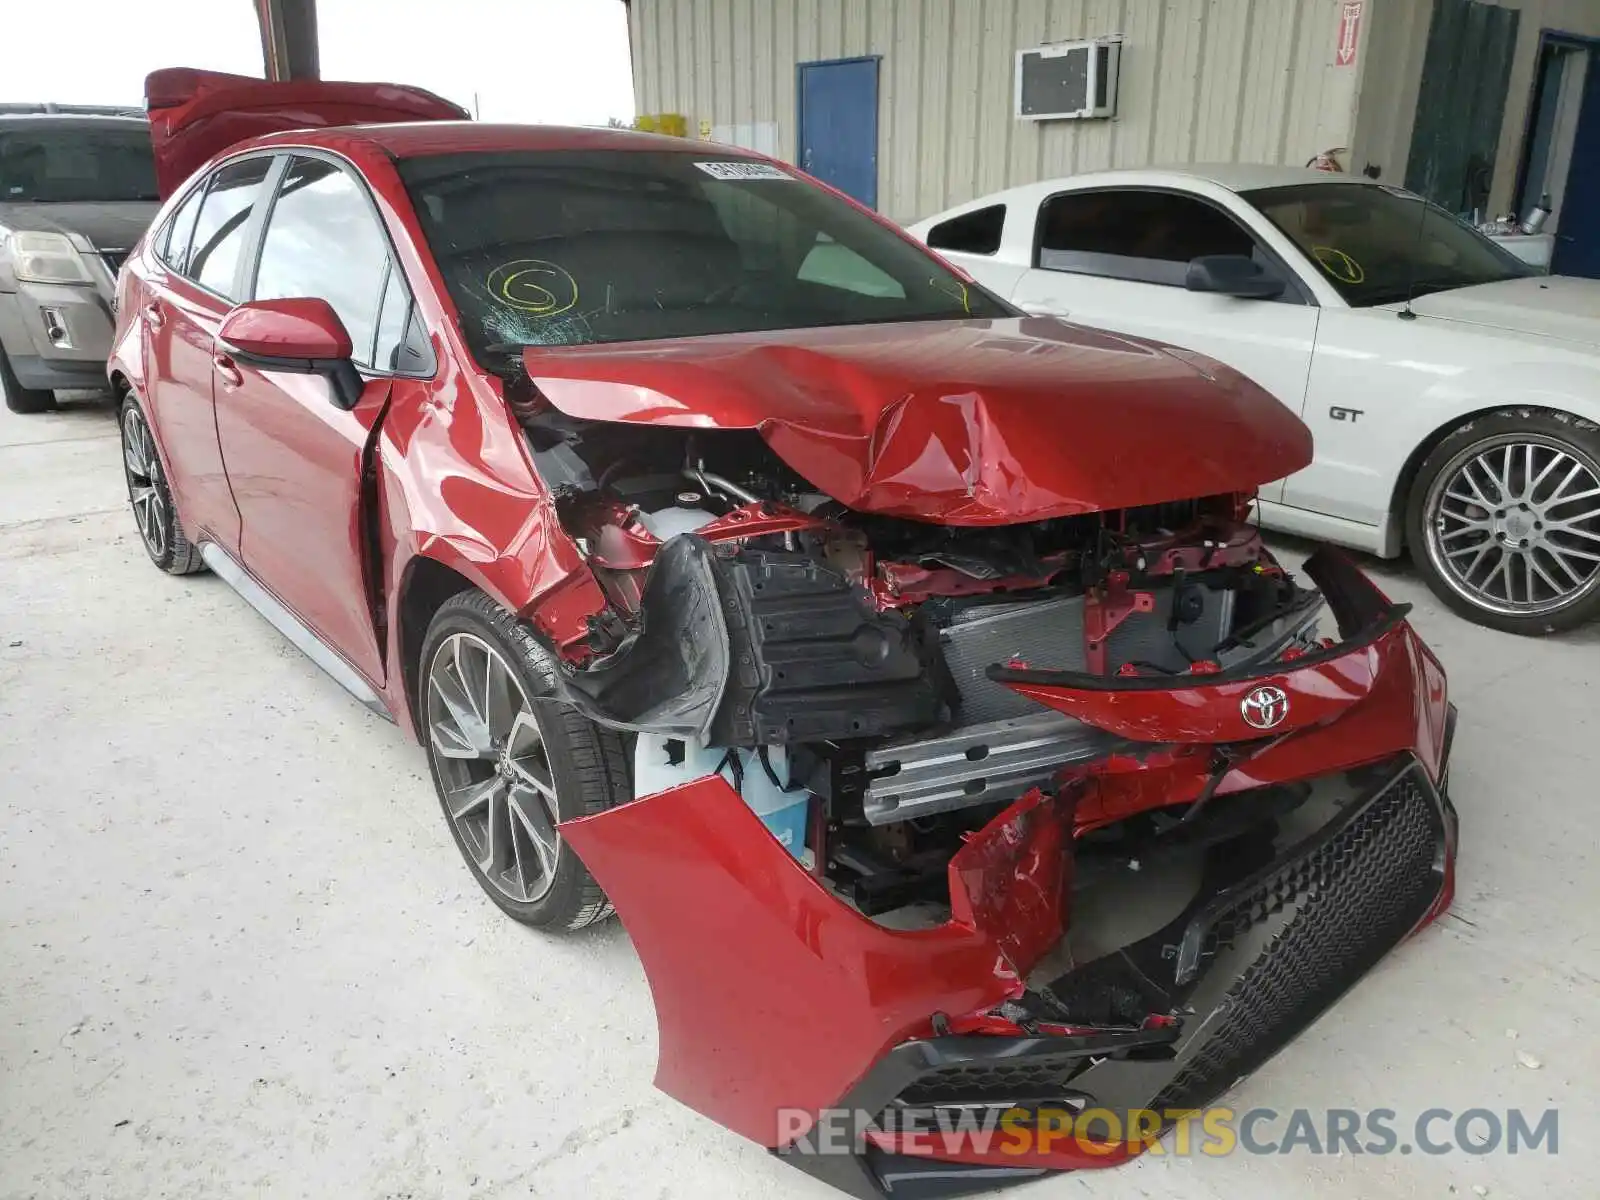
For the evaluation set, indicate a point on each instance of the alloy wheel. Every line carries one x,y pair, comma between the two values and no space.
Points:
1513,524
493,767
142,467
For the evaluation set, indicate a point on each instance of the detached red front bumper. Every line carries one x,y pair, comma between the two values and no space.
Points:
773,996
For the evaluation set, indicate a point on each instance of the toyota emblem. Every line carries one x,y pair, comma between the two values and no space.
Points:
1264,708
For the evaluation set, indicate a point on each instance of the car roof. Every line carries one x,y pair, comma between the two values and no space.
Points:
1247,177
1235,177
16,121
1192,177
419,138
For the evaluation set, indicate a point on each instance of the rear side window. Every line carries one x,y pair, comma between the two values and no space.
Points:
323,240
1149,237
174,244
976,232
219,230
402,345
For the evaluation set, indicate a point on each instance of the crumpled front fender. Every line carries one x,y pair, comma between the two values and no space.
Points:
769,992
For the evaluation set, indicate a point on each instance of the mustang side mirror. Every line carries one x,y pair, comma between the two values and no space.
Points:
1232,275
304,336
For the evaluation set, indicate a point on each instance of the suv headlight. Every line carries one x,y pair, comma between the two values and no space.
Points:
46,258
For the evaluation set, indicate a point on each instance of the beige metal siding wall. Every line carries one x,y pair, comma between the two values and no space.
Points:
1202,81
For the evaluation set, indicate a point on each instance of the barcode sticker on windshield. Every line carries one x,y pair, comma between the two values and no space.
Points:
743,170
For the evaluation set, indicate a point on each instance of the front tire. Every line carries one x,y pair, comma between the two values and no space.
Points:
20,399
151,499
509,768
1503,521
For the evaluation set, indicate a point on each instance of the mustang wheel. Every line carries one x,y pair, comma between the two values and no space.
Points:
153,509
1504,521
509,768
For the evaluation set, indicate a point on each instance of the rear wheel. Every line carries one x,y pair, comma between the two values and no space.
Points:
150,498
509,768
1504,521
20,399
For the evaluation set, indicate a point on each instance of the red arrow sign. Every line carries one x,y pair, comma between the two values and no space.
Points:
1349,32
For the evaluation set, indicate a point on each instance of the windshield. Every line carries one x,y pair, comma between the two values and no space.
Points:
1375,246
64,164
579,247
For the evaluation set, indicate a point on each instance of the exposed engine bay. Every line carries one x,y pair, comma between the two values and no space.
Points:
835,666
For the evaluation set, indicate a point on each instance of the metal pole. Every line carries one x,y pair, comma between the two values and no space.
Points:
288,38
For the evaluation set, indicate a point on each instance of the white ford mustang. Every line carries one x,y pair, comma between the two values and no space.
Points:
1463,426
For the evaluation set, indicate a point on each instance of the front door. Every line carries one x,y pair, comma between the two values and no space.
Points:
1577,249
294,458
838,124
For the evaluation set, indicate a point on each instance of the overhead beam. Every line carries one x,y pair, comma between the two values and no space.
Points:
289,38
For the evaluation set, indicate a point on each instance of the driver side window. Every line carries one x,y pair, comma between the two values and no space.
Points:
1142,237
322,239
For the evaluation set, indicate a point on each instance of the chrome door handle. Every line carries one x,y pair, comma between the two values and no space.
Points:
226,371
153,316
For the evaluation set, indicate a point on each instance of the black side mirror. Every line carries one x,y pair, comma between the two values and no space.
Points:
1232,275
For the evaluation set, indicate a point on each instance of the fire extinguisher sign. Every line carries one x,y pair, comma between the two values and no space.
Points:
1349,32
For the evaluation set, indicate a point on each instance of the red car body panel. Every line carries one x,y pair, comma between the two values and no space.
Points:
787,993
197,114
743,949
770,991
951,421
1193,710
295,465
298,328
459,491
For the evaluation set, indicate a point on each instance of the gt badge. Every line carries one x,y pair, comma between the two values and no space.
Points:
1264,708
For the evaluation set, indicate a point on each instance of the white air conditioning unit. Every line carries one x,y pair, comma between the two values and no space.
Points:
1069,80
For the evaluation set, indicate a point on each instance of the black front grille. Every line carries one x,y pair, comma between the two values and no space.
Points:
1330,915
1279,930
995,1081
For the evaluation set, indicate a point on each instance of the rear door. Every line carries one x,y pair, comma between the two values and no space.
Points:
294,458
194,283
1117,257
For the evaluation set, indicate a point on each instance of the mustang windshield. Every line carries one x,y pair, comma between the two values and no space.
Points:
1373,244
59,163
568,248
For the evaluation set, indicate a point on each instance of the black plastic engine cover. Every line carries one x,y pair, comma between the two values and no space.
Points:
811,658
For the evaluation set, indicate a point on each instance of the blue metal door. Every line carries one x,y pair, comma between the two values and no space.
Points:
838,125
1577,249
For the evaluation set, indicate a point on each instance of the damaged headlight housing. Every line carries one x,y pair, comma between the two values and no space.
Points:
47,258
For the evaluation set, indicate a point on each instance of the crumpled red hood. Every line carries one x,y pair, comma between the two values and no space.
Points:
955,422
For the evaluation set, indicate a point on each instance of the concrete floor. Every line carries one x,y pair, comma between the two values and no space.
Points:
240,957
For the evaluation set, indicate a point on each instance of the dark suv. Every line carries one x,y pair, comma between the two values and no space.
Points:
76,191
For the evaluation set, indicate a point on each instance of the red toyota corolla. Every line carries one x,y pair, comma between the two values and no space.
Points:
901,668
